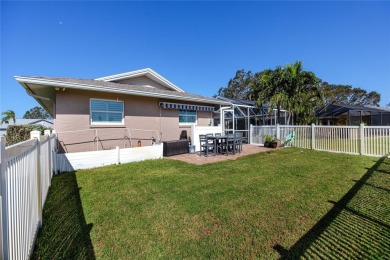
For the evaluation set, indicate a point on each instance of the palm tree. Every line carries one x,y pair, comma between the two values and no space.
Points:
271,89
291,88
8,115
303,90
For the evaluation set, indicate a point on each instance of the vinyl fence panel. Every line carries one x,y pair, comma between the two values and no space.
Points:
26,174
364,140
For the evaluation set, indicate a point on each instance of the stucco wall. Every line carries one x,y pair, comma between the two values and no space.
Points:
73,114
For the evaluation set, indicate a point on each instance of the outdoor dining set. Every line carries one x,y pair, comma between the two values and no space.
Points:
220,144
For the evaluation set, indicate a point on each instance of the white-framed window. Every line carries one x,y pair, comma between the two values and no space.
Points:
106,112
187,116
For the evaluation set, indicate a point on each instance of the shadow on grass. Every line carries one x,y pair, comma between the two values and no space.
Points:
357,226
64,234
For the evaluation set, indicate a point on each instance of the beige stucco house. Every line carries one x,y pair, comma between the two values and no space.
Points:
129,109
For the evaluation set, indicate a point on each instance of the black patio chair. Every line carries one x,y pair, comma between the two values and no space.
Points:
238,141
205,145
230,145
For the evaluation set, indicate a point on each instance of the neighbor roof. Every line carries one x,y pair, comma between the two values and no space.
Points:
43,90
143,72
24,121
339,109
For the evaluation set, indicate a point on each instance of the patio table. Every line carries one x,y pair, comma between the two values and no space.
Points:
217,140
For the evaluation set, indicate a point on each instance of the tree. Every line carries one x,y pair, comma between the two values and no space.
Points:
36,113
291,88
238,87
270,88
303,92
8,115
347,95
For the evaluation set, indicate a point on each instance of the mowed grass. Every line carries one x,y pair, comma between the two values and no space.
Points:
285,203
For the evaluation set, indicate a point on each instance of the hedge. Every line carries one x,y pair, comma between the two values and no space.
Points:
20,133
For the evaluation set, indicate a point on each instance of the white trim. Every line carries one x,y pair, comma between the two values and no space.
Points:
142,72
55,83
106,123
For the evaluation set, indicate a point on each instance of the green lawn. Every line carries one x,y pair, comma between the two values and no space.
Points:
285,203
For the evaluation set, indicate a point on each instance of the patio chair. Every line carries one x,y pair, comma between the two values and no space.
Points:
230,145
238,141
289,139
219,143
206,145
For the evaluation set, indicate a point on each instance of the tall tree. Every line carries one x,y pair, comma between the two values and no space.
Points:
36,113
271,89
238,87
304,93
291,88
8,115
347,95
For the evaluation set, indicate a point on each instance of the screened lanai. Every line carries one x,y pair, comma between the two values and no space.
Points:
242,113
353,115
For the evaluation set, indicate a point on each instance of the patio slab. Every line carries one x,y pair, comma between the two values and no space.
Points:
199,160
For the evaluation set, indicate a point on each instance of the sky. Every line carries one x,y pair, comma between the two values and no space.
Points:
198,46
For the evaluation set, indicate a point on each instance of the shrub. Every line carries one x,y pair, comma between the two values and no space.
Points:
20,133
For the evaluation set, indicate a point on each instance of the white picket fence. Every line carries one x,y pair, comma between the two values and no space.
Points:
364,140
26,170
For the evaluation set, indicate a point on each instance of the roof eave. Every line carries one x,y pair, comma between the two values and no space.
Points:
28,80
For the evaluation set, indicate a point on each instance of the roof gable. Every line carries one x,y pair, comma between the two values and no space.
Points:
129,77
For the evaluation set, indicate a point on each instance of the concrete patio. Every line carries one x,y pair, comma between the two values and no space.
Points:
199,160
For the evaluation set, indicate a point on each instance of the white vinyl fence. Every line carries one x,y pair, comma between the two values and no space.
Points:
83,160
364,140
26,170
202,130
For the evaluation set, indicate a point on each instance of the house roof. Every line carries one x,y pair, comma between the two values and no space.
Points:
339,109
143,72
43,90
23,121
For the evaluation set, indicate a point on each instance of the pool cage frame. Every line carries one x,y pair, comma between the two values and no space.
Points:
337,114
242,113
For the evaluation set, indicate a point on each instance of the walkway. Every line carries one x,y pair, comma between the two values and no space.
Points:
199,160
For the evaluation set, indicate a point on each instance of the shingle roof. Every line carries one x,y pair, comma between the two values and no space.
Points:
98,85
23,121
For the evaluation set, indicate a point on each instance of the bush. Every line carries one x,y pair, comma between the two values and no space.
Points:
20,133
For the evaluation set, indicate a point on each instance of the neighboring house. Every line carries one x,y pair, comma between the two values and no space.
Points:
119,110
45,122
336,114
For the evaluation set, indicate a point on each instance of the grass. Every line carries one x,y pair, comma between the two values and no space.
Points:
285,203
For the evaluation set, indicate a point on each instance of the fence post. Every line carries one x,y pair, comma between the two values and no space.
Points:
313,136
118,154
362,147
37,135
48,133
55,150
277,131
3,203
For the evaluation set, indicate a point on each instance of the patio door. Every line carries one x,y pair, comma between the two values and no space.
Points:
228,121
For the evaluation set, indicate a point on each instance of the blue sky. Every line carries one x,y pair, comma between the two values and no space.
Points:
197,45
